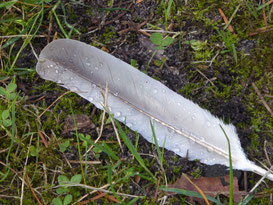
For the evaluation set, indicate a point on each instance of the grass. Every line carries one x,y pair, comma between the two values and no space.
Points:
132,176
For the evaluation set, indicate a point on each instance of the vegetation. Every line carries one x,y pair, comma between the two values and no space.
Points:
228,72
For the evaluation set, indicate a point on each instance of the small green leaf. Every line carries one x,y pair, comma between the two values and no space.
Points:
167,41
67,199
2,91
11,87
63,146
62,179
57,201
5,114
84,144
158,62
8,4
156,38
33,151
7,122
133,63
11,96
76,178
62,190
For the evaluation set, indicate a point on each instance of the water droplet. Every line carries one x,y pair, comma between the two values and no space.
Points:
163,91
94,86
202,139
56,71
176,148
100,64
51,65
88,64
129,124
90,99
117,114
170,130
110,109
116,94
208,124
154,90
71,78
178,103
209,149
96,68
59,81
193,117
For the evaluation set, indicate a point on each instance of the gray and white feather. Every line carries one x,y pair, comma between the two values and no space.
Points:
139,98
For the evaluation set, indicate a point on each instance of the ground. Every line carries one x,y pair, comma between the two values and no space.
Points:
230,74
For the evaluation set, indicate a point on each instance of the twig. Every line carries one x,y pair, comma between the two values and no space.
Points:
204,76
105,95
54,103
258,183
226,21
92,192
83,162
32,190
261,30
264,15
24,36
43,138
25,170
262,99
95,189
266,155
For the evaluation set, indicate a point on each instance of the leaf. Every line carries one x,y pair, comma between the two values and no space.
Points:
138,98
11,87
63,146
11,96
57,201
5,114
67,199
62,190
211,186
156,38
167,41
33,151
2,91
76,178
62,179
7,122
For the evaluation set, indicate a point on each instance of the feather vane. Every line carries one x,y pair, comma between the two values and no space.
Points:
138,98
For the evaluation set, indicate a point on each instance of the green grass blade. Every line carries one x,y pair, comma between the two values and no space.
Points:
190,193
167,12
104,148
232,16
132,149
109,173
156,145
230,170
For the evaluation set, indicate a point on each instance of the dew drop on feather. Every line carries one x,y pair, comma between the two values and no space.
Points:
117,114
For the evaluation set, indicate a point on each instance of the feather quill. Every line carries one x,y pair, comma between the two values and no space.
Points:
138,98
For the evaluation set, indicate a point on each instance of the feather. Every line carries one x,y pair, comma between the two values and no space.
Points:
139,99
